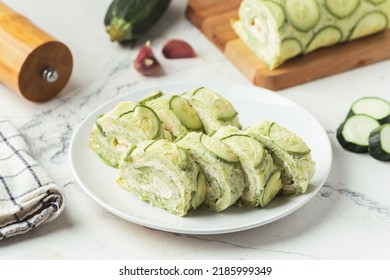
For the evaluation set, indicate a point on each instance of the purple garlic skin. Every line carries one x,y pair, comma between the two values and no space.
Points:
175,48
146,62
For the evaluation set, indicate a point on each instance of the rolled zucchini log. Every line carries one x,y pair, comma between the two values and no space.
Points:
277,30
290,154
221,166
213,109
263,177
161,173
127,125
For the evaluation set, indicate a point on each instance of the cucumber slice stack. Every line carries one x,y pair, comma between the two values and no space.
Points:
366,128
267,27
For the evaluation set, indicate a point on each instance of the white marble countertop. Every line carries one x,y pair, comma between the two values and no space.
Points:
348,219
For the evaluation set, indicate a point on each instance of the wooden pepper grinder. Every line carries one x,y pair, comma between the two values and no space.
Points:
32,62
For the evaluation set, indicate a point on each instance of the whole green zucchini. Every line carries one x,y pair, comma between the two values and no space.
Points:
128,20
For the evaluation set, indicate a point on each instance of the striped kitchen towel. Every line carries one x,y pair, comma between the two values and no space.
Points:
28,197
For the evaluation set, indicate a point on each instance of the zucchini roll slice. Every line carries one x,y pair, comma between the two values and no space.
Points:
161,173
213,109
278,30
176,114
290,154
221,166
126,125
263,177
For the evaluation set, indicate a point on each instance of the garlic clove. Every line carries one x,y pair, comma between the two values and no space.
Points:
146,62
178,49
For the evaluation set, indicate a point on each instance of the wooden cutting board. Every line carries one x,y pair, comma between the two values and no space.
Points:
212,17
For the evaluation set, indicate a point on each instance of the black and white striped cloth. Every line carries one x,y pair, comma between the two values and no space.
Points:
28,197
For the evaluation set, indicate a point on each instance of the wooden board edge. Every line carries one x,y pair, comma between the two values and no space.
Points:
193,17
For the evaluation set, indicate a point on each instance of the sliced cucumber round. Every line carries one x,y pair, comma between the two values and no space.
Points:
218,149
223,109
272,188
353,133
375,107
379,143
326,36
277,12
185,113
288,140
145,118
170,150
342,8
199,195
289,48
246,145
369,24
303,14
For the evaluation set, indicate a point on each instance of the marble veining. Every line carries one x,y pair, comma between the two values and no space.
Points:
243,247
358,198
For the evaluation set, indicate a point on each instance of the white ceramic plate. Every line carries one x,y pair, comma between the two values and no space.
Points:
253,104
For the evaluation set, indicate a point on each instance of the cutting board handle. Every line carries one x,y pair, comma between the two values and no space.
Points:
32,62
